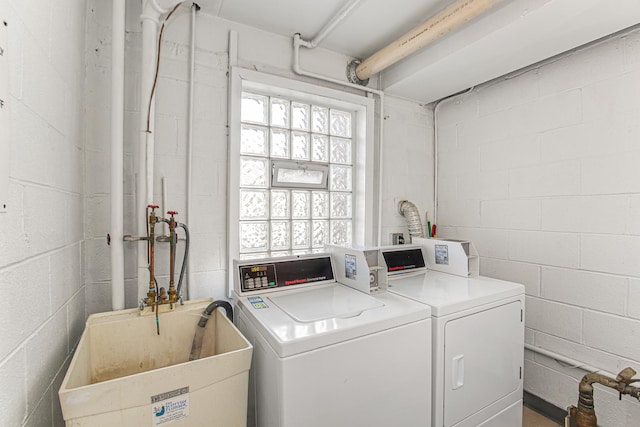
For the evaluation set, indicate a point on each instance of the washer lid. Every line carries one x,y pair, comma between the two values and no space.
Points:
299,320
325,303
447,293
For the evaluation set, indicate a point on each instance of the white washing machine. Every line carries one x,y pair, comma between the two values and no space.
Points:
478,341
328,355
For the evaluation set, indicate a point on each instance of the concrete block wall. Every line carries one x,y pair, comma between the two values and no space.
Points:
407,164
408,134
41,234
540,170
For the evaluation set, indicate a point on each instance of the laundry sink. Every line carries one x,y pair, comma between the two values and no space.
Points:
123,373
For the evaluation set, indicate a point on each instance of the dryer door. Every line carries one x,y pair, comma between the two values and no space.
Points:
483,358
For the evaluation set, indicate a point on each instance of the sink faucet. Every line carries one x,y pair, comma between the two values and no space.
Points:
585,413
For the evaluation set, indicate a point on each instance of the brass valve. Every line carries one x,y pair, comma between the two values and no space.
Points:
585,413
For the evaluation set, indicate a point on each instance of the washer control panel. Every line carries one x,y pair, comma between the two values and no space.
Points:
258,276
266,275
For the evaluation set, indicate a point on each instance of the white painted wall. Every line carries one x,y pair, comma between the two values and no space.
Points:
408,137
41,235
407,164
541,171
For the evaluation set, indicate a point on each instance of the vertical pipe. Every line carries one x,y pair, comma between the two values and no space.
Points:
232,117
145,152
117,153
435,150
380,167
192,67
165,203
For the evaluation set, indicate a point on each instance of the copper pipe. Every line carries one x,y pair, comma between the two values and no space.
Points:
172,257
585,413
151,294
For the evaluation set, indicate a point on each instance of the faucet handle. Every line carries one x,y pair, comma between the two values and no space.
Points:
172,213
626,376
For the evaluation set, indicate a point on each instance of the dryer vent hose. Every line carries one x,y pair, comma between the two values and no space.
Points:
410,212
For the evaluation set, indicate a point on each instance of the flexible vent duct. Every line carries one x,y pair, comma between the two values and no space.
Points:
410,212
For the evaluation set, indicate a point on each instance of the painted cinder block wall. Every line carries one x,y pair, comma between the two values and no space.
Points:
408,143
541,170
41,234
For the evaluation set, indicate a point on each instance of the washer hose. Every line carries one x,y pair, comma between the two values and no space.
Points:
410,212
198,337
184,258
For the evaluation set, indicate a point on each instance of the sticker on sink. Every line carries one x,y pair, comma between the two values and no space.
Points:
170,407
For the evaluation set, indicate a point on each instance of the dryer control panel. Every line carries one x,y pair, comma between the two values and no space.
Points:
255,276
403,259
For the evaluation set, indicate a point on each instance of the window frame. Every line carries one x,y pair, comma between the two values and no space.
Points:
365,173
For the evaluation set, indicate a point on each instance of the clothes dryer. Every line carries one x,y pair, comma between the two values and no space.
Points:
328,355
478,341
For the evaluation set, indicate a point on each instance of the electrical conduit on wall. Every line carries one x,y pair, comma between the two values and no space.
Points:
438,104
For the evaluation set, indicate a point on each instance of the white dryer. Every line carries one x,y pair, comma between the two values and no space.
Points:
328,355
478,341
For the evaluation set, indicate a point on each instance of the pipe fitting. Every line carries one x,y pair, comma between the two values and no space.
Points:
585,413
352,74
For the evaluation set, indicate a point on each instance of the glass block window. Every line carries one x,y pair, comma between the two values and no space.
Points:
283,139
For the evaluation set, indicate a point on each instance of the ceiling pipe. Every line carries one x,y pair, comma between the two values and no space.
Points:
448,19
329,26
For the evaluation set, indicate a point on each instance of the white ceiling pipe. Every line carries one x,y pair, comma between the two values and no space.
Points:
297,43
117,154
335,20
443,22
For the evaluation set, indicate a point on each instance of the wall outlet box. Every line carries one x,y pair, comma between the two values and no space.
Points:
397,238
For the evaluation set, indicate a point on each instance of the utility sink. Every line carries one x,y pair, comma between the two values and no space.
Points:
124,374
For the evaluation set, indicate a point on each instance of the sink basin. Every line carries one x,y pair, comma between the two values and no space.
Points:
123,373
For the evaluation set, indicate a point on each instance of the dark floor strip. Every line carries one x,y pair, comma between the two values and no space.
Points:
545,408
